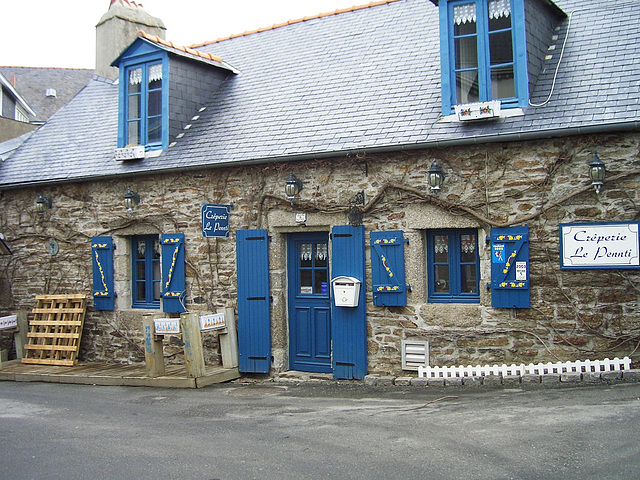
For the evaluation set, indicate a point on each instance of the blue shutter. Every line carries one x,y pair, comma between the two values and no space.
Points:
510,286
387,269
102,253
254,312
349,324
173,278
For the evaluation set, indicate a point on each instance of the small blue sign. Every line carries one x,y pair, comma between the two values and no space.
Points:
215,220
498,253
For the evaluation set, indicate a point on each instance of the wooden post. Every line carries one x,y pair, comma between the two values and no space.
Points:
229,340
153,356
20,336
193,352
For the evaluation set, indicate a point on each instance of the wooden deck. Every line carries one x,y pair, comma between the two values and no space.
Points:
113,374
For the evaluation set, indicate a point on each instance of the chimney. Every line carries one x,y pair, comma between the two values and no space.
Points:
117,29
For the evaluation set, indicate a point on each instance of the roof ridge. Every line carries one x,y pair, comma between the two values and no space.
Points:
167,43
47,68
299,20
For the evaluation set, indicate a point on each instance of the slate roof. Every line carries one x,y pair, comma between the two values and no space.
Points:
32,84
361,80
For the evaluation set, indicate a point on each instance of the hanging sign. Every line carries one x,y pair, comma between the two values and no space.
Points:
212,322
166,326
215,220
599,245
8,322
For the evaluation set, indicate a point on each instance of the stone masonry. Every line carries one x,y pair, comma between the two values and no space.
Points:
576,314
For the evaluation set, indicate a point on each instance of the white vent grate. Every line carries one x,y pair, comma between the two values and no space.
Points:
415,354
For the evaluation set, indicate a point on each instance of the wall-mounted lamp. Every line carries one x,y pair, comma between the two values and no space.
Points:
131,199
436,178
597,172
292,187
42,204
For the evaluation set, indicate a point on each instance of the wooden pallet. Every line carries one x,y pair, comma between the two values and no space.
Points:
56,329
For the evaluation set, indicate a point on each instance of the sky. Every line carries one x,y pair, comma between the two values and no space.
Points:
61,33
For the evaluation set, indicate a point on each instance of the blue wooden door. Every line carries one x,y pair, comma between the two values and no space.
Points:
309,307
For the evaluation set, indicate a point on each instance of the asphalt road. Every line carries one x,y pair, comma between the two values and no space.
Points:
271,431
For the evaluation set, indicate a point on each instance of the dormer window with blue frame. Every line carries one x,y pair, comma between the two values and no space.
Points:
483,53
144,101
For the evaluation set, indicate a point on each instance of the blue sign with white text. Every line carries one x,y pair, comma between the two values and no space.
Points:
215,220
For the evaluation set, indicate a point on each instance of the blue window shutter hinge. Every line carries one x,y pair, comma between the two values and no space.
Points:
408,287
488,286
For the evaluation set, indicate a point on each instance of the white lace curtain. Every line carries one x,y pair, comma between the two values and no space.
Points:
467,12
155,73
135,76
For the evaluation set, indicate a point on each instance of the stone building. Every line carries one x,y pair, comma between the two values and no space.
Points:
278,170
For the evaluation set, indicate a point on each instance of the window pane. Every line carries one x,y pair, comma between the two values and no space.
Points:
467,90
140,271
503,82
321,254
133,134
464,18
305,281
320,282
441,279
155,130
156,291
501,48
140,249
466,52
135,80
468,280
134,107
441,248
468,248
155,103
306,255
141,295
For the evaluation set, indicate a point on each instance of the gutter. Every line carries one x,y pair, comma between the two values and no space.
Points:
453,142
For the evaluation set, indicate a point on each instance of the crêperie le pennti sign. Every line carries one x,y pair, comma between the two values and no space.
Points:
599,245
215,220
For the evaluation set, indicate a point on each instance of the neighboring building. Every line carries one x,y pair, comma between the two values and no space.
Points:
14,111
46,90
514,258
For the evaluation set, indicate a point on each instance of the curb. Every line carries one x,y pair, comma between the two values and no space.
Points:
569,379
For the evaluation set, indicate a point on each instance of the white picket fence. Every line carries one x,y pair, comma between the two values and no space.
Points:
586,366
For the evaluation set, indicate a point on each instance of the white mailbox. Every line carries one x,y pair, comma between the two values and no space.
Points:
346,291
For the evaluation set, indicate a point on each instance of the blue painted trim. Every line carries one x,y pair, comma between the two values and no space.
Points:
143,54
447,53
148,301
455,282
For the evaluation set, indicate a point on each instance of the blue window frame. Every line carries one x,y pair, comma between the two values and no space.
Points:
145,255
483,53
453,267
144,99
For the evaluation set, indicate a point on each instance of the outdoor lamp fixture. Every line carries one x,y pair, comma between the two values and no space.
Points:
292,187
131,199
42,204
436,178
597,172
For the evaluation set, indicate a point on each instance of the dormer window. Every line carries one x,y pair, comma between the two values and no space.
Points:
483,52
143,109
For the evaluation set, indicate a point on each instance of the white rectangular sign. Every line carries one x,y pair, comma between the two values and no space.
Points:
166,326
129,153
212,322
8,322
599,245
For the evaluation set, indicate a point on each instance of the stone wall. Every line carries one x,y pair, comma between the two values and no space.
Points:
575,314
